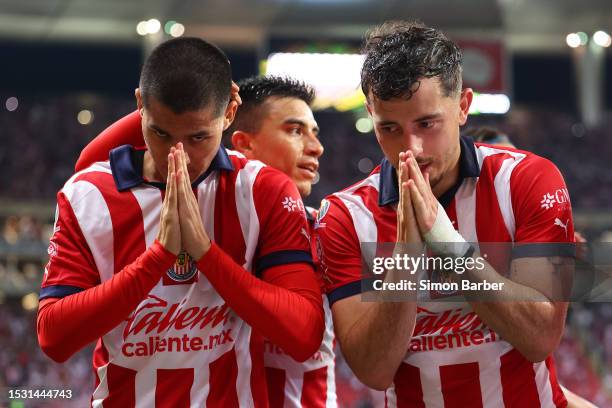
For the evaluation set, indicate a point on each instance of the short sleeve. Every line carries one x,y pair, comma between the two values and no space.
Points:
284,236
338,250
71,267
542,209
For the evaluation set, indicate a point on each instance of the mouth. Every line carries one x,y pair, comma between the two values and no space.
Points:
424,167
309,169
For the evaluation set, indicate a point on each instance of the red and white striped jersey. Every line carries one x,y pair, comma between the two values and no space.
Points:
182,346
311,384
454,359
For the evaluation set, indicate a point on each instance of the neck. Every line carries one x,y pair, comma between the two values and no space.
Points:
448,179
149,170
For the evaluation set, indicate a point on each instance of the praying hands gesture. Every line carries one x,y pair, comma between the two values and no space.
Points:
181,225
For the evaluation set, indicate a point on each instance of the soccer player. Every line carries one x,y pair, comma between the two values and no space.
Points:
492,136
275,125
180,258
436,187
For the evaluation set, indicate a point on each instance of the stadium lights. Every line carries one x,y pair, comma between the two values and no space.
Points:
11,104
602,39
573,40
494,104
152,26
335,77
364,125
85,117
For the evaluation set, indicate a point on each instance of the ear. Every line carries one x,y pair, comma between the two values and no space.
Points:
243,142
230,113
368,107
465,101
139,104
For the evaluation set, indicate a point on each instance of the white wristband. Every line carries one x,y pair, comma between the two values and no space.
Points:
443,239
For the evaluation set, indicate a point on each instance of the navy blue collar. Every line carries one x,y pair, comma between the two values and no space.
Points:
468,167
126,164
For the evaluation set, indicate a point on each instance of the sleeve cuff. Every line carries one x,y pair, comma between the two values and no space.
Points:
159,257
211,257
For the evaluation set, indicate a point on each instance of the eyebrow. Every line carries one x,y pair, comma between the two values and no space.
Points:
163,132
431,116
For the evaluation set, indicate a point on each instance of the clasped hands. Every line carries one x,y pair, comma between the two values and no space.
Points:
181,225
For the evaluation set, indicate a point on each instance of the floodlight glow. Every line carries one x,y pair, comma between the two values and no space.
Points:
573,40
85,117
335,77
497,104
11,104
141,28
177,30
153,26
584,38
364,125
602,39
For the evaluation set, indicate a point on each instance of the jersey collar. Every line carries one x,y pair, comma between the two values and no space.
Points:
468,167
126,165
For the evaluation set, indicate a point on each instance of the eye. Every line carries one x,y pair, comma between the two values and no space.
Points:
427,124
389,129
296,130
198,139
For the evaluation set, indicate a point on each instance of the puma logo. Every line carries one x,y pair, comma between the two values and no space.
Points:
560,223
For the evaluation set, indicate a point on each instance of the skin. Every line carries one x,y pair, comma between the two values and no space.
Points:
180,149
286,140
420,137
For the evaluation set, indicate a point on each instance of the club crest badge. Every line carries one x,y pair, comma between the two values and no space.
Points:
183,269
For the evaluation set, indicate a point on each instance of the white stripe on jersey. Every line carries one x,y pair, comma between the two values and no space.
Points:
362,216
542,379
245,206
245,366
101,391
150,202
502,183
145,393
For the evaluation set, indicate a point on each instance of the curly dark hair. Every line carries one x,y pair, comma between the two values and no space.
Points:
255,91
400,53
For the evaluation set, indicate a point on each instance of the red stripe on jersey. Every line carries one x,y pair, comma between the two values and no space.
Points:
173,387
223,375
518,381
128,242
408,387
258,374
314,388
275,377
461,385
558,396
384,217
228,233
121,387
490,226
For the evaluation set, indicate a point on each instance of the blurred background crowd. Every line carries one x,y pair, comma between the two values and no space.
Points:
66,76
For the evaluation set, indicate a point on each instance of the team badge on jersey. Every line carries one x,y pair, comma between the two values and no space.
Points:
183,269
322,213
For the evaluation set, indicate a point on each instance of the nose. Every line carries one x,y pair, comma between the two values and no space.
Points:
414,143
313,146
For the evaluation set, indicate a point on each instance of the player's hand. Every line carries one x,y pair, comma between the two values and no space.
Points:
424,201
407,228
235,94
169,228
193,236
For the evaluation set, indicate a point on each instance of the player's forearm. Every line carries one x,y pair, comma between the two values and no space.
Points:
66,325
523,316
376,343
288,311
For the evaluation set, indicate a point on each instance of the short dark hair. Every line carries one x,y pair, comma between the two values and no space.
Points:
255,91
400,53
187,74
